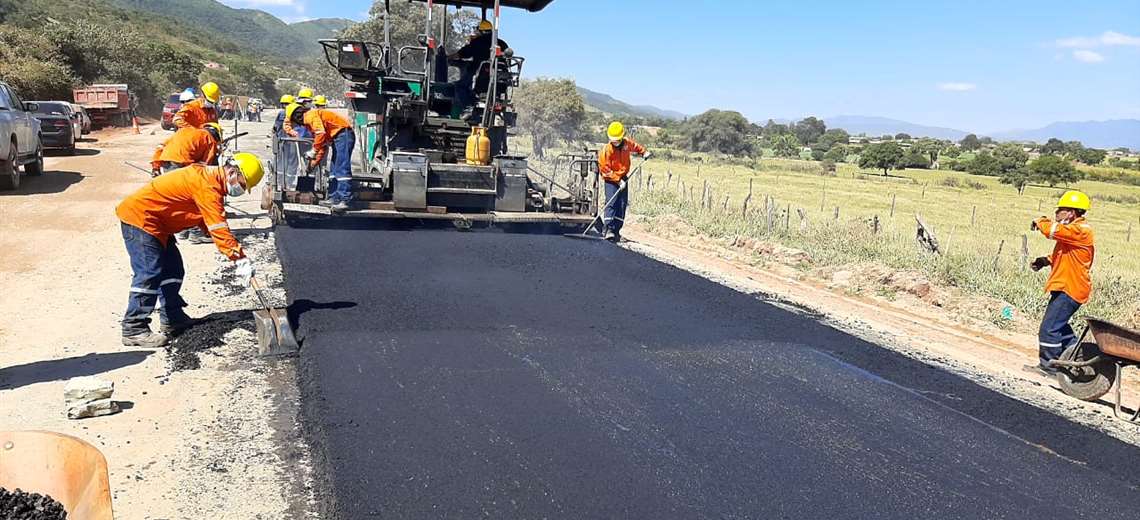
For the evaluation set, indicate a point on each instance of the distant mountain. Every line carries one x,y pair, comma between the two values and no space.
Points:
321,28
606,103
250,29
881,126
1110,134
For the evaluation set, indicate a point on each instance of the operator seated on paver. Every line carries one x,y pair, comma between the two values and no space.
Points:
471,58
1069,284
200,111
190,196
613,164
326,125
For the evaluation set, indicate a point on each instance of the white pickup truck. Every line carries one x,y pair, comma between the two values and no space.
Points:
19,139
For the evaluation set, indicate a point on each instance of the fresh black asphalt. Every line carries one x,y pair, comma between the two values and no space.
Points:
482,374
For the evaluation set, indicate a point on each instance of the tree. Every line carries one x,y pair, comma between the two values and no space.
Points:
984,164
882,156
1018,178
786,145
1072,148
832,137
915,158
837,153
717,131
406,21
931,148
1091,156
1053,146
30,63
951,151
550,109
1053,170
987,141
809,129
970,143
902,136
1010,157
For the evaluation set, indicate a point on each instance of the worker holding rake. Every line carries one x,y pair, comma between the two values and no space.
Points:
1069,284
614,164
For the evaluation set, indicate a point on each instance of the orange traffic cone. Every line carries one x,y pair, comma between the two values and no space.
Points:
135,123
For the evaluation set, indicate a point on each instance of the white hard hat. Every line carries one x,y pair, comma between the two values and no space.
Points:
186,95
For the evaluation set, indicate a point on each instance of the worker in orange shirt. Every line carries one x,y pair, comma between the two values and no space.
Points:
190,196
1069,284
613,164
188,145
200,111
328,126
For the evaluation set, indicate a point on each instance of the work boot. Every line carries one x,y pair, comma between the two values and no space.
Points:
339,206
146,340
177,326
198,237
1041,370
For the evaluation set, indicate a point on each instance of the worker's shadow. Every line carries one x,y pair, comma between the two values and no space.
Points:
298,308
61,369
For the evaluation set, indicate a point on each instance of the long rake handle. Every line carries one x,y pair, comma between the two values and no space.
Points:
594,222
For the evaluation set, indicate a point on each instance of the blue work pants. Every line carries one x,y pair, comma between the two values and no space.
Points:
1056,334
614,216
157,279
340,168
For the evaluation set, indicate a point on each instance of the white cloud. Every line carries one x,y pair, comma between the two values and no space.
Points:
1106,39
957,87
1088,56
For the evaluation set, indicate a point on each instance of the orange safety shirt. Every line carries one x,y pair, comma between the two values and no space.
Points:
325,125
194,114
1072,257
613,163
187,145
186,197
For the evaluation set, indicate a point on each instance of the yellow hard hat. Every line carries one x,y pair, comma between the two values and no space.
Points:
1074,199
305,94
320,101
616,131
211,92
290,109
485,26
216,130
250,167
287,98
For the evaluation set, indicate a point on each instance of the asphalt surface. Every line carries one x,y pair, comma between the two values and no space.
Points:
461,375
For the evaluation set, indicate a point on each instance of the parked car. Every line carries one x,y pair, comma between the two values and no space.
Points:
57,126
169,109
19,139
84,119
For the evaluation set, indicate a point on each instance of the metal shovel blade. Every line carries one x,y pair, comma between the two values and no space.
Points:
274,332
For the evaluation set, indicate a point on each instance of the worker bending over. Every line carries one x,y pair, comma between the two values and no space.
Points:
200,111
190,196
613,164
187,146
1069,284
326,126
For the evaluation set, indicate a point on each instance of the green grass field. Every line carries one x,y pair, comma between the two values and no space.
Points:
1001,215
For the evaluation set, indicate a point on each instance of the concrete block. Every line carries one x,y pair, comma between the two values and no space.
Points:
85,389
92,409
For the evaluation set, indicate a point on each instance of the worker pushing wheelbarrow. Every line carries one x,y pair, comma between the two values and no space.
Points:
1090,369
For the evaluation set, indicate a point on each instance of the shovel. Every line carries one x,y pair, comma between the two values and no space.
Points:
274,333
585,233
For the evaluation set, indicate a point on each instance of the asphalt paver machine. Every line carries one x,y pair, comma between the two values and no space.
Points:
414,130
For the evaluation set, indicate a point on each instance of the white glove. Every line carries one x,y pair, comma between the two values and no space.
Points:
243,268
311,154
622,184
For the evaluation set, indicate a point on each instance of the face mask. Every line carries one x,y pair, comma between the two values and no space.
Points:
235,190
619,144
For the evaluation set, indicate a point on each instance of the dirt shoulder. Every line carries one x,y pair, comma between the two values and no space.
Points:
208,429
912,317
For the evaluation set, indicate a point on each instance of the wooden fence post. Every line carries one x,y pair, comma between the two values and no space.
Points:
649,182
837,213
1128,238
704,194
973,215
1024,251
924,190
724,208
893,195
875,225
744,206
698,171
788,218
669,179
997,256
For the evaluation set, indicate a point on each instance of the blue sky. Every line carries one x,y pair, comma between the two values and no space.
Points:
975,66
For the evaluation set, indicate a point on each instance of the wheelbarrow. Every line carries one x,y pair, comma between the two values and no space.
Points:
71,471
1090,369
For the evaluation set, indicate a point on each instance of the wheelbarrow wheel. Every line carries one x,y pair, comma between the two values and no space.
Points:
1086,383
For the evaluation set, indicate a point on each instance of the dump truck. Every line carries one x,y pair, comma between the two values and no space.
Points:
414,130
107,105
